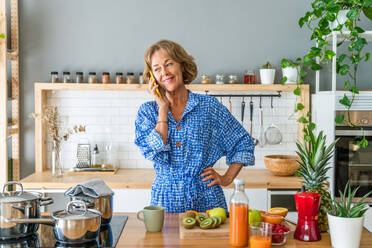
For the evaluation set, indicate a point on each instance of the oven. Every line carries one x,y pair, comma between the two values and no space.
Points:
353,163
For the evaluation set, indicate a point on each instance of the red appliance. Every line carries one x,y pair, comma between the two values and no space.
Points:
307,206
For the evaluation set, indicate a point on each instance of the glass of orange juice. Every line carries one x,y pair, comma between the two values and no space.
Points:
260,235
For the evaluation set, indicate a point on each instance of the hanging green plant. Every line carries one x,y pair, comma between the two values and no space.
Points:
322,20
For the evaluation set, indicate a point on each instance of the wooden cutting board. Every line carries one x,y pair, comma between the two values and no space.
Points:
221,232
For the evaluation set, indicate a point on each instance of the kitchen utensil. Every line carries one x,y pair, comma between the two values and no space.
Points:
243,109
83,156
102,203
261,137
19,204
255,141
72,225
153,217
272,133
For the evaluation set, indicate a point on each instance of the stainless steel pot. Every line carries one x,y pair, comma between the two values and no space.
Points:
75,225
21,205
102,204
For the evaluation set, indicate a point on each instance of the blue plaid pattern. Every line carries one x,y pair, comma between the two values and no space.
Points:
208,132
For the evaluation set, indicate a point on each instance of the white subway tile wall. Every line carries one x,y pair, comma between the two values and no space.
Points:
109,119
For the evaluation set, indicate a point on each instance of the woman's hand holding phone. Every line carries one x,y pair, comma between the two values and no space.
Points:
158,93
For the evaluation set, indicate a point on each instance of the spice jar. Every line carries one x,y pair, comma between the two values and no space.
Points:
119,78
205,79
140,78
66,77
233,79
249,77
92,78
54,77
105,77
130,78
220,79
79,77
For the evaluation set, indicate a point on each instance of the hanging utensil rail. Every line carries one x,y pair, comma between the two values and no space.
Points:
245,95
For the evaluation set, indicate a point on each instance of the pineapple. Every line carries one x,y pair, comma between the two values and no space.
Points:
314,158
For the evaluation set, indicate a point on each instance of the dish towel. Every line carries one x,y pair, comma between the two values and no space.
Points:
94,188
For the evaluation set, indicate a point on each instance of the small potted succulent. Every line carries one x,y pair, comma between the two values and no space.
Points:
267,74
346,219
291,71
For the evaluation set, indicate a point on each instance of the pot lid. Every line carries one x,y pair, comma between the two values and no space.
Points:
76,210
16,196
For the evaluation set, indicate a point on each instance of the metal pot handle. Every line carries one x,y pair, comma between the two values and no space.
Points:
11,183
46,201
73,204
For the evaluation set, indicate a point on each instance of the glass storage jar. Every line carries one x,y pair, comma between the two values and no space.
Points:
205,79
79,77
66,77
233,79
220,79
105,77
249,77
130,78
54,77
92,78
119,78
140,78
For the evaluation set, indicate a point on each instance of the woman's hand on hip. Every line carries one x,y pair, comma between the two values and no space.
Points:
161,101
210,174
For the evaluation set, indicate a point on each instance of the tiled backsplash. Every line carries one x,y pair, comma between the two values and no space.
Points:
109,117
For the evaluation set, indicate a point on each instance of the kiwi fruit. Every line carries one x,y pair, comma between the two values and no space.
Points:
218,221
206,224
188,222
199,218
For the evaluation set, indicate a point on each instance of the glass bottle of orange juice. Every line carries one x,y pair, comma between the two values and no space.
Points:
239,213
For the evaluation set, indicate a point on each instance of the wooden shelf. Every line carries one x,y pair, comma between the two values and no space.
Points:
12,55
193,87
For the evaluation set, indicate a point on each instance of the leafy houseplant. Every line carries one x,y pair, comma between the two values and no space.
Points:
291,71
314,165
346,219
318,20
267,74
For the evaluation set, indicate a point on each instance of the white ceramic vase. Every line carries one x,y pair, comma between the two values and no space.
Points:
341,19
345,232
291,73
267,76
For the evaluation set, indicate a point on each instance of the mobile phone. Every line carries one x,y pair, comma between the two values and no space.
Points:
156,83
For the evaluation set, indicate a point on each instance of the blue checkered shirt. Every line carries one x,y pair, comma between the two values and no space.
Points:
206,132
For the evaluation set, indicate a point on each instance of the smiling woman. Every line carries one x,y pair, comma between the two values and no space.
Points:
184,134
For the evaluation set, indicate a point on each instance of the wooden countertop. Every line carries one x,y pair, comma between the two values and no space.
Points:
142,179
135,235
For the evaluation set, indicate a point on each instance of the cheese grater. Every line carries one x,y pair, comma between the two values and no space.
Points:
83,156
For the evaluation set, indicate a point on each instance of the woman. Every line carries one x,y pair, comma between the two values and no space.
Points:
184,134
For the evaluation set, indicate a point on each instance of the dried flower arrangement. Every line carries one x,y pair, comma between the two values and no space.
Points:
51,118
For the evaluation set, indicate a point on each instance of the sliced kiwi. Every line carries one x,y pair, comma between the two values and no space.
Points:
199,218
188,222
206,224
218,220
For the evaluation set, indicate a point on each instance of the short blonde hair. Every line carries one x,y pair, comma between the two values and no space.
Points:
178,54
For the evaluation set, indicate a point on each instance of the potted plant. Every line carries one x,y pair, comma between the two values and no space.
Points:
267,74
291,71
314,164
319,20
346,219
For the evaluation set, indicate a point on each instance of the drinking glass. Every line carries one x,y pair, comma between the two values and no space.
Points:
260,236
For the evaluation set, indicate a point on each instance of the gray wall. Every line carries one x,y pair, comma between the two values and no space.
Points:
224,36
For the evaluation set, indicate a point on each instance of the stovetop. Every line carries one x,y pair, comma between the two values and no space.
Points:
108,237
